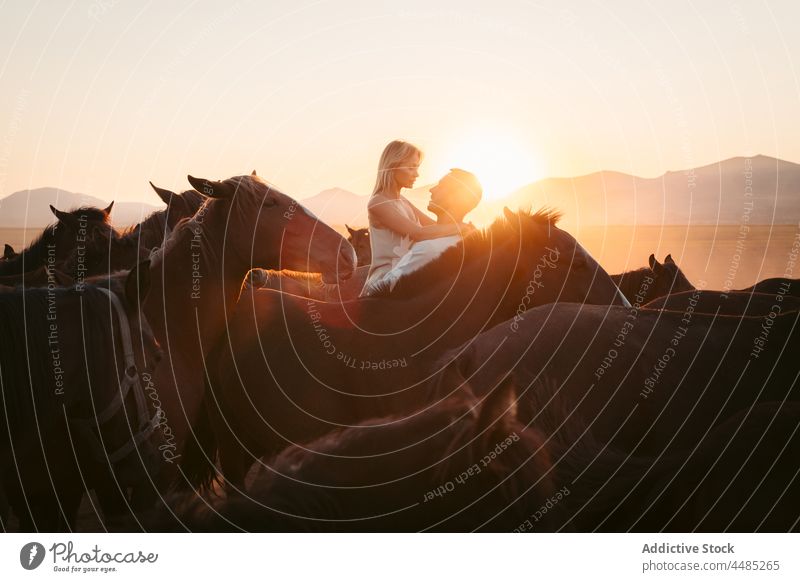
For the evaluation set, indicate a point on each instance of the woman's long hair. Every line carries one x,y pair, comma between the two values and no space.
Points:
393,156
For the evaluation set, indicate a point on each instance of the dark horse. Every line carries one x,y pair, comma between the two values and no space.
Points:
82,244
461,465
294,368
197,278
648,283
466,464
71,362
151,232
741,477
730,303
359,238
58,241
775,286
647,382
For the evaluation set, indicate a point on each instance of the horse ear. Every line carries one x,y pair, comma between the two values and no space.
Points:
163,193
655,266
107,209
668,260
62,216
350,230
137,284
254,173
211,189
8,252
499,408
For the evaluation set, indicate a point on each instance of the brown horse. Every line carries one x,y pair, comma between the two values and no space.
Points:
294,368
461,465
38,278
151,232
359,238
739,476
648,283
57,242
775,286
730,303
743,477
69,363
197,278
645,381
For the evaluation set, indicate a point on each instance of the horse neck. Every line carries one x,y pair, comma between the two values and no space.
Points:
30,258
125,253
474,304
630,283
194,285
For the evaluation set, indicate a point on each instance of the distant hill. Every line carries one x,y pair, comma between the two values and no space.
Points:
760,189
31,208
337,206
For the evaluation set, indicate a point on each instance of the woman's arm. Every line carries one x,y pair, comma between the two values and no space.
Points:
388,216
423,218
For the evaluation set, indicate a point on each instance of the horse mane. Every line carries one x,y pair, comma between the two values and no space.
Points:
212,248
35,252
630,282
477,244
154,225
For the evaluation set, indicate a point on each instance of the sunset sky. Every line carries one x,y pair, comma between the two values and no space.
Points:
101,96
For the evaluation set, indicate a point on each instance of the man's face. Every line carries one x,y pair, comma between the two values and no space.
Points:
442,195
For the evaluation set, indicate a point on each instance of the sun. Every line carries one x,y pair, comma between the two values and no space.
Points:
501,163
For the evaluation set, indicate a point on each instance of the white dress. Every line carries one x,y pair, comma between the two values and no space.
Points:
388,247
422,252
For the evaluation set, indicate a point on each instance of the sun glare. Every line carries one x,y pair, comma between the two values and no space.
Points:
501,163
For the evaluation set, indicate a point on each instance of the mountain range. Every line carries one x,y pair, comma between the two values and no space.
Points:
31,208
754,190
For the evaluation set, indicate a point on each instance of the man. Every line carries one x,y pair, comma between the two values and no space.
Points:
452,198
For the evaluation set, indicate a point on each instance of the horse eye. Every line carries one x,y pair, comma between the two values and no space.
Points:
269,202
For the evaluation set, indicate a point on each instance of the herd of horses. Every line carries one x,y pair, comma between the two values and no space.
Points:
213,369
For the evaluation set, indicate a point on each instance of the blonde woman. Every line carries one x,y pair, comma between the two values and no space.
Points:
394,223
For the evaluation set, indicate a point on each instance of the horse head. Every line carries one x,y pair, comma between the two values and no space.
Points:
179,206
359,239
552,266
668,277
289,236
